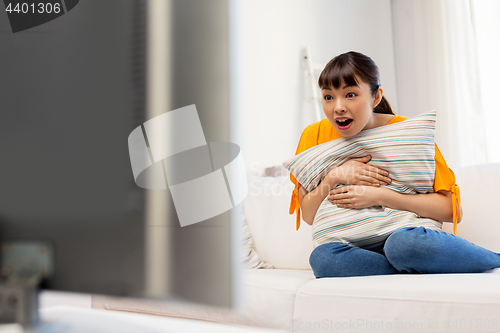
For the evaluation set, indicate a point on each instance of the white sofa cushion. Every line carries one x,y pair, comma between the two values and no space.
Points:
267,300
272,227
72,319
478,190
400,302
269,295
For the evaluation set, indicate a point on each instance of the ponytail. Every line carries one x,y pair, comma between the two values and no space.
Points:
383,107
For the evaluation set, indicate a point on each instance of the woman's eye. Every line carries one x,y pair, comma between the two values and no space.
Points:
351,95
328,98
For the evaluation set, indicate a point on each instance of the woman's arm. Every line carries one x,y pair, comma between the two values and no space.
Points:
310,201
437,206
353,171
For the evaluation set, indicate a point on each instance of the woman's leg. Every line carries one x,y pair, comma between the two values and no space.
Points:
339,260
421,250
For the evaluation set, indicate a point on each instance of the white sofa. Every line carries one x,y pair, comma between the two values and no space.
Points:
290,298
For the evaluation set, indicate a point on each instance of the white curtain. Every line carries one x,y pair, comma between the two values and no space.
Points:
486,20
451,45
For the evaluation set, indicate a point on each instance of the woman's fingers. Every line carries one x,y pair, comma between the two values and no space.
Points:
367,183
341,201
342,189
369,180
376,170
339,196
378,175
372,181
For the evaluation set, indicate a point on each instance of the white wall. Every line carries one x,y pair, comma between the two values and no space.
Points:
268,87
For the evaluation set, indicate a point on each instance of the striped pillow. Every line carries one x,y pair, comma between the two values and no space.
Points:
405,149
250,257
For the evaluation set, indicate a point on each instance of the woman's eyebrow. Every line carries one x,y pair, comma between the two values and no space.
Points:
346,86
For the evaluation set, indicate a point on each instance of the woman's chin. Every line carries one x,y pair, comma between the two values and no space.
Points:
347,133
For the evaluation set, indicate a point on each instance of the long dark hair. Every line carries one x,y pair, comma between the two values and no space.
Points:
345,67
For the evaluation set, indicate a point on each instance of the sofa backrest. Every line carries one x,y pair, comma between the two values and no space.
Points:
272,228
479,186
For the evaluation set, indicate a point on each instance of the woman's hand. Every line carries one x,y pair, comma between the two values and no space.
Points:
356,172
356,196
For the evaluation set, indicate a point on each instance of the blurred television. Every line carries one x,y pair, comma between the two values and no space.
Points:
71,92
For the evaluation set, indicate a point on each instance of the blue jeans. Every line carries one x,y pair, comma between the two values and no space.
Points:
407,250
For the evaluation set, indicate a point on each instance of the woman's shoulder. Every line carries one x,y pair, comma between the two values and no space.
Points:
322,131
396,119
321,125
317,133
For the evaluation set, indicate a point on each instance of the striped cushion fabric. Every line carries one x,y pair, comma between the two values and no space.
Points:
405,149
250,257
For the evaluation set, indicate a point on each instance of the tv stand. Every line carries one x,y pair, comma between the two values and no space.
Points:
23,266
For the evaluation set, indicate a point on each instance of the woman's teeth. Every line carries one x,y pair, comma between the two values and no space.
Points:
344,123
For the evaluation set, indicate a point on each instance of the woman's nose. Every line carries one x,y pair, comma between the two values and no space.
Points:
339,106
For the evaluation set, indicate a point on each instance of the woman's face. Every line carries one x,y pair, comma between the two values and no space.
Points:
354,104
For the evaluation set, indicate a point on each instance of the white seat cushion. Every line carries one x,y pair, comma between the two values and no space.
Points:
269,294
401,302
78,320
268,297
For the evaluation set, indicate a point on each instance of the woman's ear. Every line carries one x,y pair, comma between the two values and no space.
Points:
378,97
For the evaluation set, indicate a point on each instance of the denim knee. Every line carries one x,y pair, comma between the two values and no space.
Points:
408,248
323,258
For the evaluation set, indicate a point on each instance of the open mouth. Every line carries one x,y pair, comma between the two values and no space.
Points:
344,124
